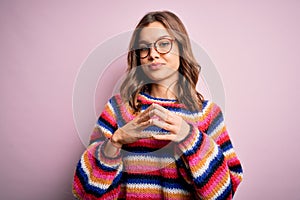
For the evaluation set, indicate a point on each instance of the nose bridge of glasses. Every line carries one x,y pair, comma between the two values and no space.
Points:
150,47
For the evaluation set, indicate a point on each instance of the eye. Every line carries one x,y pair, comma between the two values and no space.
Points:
143,47
164,43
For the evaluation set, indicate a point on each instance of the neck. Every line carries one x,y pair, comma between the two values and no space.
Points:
163,91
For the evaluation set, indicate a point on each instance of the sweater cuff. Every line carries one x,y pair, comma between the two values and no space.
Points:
112,163
191,142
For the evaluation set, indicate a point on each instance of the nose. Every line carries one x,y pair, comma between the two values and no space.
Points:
153,53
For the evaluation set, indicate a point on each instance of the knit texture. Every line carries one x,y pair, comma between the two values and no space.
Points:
202,166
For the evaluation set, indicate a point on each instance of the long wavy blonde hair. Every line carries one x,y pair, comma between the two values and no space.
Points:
136,81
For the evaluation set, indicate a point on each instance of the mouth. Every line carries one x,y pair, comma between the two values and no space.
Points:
155,66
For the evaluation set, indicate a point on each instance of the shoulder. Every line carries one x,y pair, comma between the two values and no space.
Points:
113,103
208,115
209,106
117,103
116,99
211,111
208,111
215,115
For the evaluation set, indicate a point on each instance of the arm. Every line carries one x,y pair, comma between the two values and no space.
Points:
208,168
213,165
99,171
98,175
218,132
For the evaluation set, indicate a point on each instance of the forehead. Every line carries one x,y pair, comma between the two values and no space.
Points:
153,31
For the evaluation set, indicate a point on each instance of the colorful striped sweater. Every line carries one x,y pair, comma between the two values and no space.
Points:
202,166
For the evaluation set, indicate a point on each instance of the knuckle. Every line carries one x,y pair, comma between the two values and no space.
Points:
151,122
167,126
169,117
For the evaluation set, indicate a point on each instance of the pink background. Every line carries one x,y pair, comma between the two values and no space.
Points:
254,45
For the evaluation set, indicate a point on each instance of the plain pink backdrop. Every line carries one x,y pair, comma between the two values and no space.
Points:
254,45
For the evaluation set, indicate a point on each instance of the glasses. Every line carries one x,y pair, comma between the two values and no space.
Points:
162,46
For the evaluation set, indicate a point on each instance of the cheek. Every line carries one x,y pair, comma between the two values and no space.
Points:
173,60
174,57
143,61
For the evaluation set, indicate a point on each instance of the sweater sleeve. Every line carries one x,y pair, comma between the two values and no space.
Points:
96,175
210,159
218,132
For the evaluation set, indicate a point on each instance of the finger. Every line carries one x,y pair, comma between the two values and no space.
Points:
164,114
163,125
145,124
159,114
143,118
145,115
144,135
159,107
164,137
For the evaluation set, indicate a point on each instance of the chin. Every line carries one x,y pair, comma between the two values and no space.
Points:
162,77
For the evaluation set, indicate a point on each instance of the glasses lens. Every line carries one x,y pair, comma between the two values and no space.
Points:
163,45
143,52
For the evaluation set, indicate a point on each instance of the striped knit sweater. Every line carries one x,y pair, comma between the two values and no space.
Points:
202,166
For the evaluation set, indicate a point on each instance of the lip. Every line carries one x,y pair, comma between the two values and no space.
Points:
155,66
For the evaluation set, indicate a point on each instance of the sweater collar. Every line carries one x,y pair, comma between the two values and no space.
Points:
146,98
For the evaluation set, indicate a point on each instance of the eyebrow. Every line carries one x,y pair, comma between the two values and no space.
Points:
146,42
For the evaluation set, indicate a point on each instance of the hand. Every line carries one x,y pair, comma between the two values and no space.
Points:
163,118
132,131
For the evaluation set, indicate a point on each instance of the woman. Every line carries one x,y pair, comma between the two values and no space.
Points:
158,138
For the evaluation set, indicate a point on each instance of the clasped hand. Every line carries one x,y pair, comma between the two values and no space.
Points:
154,115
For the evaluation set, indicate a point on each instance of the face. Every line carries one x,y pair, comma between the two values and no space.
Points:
161,61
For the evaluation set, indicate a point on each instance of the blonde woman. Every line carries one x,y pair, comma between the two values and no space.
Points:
159,138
